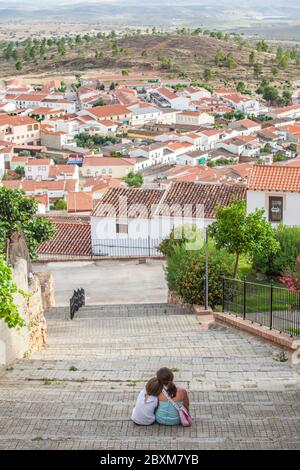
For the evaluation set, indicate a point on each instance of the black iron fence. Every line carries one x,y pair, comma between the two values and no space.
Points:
127,247
77,301
269,305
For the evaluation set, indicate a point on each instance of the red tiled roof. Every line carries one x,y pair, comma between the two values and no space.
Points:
69,239
275,178
80,202
128,202
106,161
39,162
196,195
109,110
56,170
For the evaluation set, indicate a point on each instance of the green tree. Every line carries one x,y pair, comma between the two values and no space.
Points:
19,65
20,171
241,233
207,74
8,310
19,213
219,57
133,179
60,205
252,58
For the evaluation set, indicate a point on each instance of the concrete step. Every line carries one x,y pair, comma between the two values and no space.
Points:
125,310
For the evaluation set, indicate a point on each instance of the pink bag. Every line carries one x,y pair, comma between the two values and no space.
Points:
184,415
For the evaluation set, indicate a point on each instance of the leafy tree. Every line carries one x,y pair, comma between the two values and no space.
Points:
8,310
262,46
19,65
230,61
252,58
207,74
20,171
19,213
289,242
257,69
60,205
241,233
133,179
219,57
266,148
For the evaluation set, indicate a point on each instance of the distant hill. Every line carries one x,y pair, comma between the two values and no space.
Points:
253,16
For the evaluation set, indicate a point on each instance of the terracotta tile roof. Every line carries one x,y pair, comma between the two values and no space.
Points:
287,109
208,195
106,161
16,120
248,123
32,97
128,202
69,239
275,178
39,162
12,184
56,170
80,202
167,93
109,110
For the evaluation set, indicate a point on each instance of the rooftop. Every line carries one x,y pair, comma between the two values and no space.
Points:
275,178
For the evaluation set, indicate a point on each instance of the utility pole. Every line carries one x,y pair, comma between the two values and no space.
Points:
206,268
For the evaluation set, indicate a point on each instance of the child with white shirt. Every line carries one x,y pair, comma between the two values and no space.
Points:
146,404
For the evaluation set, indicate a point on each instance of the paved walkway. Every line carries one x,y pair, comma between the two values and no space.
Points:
79,393
108,281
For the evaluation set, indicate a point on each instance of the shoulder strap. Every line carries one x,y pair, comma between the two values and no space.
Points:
170,399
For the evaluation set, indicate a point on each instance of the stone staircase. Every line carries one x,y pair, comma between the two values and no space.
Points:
79,392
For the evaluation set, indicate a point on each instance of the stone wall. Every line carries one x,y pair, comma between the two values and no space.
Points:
15,343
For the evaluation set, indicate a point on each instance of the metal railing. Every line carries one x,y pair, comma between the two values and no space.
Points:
76,302
127,247
268,305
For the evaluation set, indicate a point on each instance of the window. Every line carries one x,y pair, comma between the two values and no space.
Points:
275,209
121,228
103,171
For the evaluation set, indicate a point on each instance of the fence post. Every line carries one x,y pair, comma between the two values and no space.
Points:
245,299
223,293
271,304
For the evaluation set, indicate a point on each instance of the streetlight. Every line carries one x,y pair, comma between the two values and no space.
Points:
206,268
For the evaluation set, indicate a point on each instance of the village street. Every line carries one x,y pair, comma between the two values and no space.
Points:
80,391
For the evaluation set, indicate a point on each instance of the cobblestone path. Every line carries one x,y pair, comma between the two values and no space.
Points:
79,392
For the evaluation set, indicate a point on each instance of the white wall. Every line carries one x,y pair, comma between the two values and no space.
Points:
14,343
2,165
291,205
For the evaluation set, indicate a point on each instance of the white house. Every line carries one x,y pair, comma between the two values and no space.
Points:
196,93
194,118
38,168
276,189
246,126
143,114
242,145
193,158
166,98
209,138
2,165
168,116
134,221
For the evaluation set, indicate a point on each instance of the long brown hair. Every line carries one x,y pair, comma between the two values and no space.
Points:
165,377
153,387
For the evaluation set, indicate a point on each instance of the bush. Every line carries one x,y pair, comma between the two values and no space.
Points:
185,273
8,310
180,236
289,241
